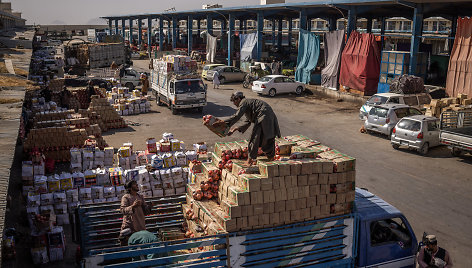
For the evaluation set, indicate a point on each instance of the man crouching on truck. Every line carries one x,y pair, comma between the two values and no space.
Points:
266,126
133,209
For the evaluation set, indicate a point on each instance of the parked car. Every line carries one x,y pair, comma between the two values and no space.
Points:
209,67
227,74
417,132
383,118
276,84
415,100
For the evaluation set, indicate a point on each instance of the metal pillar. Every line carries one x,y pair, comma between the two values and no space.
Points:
244,26
453,34
161,34
189,34
110,26
369,25
174,32
223,27
198,28
279,36
209,25
308,25
332,24
415,37
230,38
290,33
303,20
260,29
351,20
140,32
149,33
116,27
273,32
130,31
382,33
123,29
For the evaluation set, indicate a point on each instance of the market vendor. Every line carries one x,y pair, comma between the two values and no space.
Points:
132,207
266,126
145,83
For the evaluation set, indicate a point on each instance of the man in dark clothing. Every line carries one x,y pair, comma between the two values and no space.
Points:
266,126
433,256
46,94
65,98
91,89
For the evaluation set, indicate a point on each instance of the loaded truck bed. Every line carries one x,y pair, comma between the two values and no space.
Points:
456,131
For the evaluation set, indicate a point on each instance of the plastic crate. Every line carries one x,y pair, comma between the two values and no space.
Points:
383,88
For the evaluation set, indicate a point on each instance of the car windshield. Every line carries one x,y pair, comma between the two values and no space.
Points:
380,112
265,79
189,86
376,100
206,68
409,124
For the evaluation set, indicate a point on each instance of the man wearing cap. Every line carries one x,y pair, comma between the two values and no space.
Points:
433,256
266,126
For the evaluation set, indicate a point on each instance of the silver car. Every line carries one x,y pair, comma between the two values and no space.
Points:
227,74
417,132
383,118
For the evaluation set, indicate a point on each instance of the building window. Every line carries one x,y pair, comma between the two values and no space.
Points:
443,26
406,26
376,24
435,26
320,25
391,25
340,25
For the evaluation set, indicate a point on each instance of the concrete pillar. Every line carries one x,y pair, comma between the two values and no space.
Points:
130,31
161,34
198,27
369,25
189,34
230,38
415,37
351,20
382,32
110,26
332,24
123,29
149,33
260,29
308,25
453,33
175,28
140,32
244,26
210,25
279,35
223,27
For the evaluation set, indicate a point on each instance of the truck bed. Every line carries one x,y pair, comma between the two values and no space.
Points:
324,242
460,138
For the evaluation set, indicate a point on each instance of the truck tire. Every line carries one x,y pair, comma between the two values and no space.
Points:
456,152
424,149
129,85
395,146
173,110
200,110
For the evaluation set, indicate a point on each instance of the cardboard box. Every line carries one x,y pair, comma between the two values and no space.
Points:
257,197
312,179
269,207
241,223
284,169
295,216
321,199
333,178
258,209
269,196
324,189
249,183
301,203
331,198
231,208
350,196
266,184
268,169
311,201
279,206
328,166
302,180
253,220
264,219
307,166
305,214
288,181
220,130
274,218
276,183
291,205
284,217
295,167
280,194
323,179
238,196
303,191
315,212
314,190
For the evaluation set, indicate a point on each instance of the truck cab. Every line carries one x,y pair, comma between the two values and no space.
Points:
187,93
385,237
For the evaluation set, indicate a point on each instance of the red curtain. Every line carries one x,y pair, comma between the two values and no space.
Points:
360,63
459,73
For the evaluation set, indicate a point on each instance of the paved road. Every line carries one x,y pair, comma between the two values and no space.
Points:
433,191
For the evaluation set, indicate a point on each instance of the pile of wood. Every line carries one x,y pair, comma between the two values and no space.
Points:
437,106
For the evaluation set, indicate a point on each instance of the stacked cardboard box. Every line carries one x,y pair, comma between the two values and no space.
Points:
107,113
437,106
101,54
318,183
56,85
94,118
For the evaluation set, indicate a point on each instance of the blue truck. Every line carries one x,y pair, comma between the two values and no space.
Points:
376,234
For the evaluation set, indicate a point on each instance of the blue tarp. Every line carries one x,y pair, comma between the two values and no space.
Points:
248,44
308,53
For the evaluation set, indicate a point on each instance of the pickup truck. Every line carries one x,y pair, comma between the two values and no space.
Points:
376,234
179,91
456,131
131,78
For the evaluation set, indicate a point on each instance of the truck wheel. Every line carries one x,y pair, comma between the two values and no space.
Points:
158,100
456,152
129,85
200,110
173,110
424,149
395,146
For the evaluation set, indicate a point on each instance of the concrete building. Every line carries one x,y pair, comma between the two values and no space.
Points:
9,18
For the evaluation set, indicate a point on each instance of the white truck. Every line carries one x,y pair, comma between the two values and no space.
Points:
179,91
456,131
130,79
91,35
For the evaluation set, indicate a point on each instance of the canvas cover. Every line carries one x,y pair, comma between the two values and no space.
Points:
459,73
211,48
308,53
333,47
248,43
360,63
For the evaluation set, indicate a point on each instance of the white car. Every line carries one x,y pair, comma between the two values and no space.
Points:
276,84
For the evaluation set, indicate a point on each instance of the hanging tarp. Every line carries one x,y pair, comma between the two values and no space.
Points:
360,63
333,48
248,44
211,48
459,73
308,53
